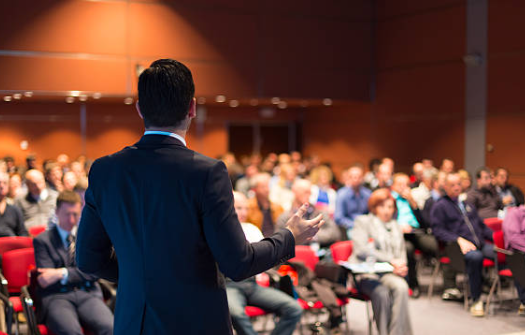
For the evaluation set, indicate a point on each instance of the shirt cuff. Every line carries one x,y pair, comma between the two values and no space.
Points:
65,277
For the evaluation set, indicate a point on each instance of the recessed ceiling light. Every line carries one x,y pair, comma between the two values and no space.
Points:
97,95
234,103
28,94
220,98
275,100
327,102
8,98
83,97
128,100
70,100
17,96
74,93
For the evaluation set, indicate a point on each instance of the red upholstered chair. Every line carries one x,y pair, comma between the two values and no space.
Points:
499,244
493,223
341,251
34,231
15,242
16,265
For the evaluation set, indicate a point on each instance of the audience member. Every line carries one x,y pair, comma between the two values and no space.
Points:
54,174
447,165
466,183
248,292
417,174
38,205
261,211
370,176
323,195
11,219
15,188
243,184
383,177
352,200
69,297
280,186
416,235
455,221
329,233
511,195
484,197
70,180
389,291
422,192
514,236
10,165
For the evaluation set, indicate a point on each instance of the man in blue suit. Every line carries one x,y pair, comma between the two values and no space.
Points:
168,213
69,296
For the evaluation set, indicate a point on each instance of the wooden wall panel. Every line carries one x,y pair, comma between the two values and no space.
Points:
506,26
55,74
388,8
64,26
430,37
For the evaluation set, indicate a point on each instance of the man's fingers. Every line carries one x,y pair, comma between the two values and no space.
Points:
302,210
315,221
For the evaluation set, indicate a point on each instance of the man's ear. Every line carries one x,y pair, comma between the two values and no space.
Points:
193,109
138,109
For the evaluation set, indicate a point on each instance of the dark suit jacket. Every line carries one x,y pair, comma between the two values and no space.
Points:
168,212
50,253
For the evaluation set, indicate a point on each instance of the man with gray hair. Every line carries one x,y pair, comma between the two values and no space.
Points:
11,219
421,193
39,204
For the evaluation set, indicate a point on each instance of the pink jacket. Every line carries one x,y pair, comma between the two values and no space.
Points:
514,228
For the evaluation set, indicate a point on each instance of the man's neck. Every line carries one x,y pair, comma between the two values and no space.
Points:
3,204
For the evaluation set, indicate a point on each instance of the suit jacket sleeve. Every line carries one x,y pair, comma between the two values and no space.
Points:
237,258
94,252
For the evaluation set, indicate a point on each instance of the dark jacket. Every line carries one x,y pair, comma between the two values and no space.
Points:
168,211
516,193
448,223
486,201
51,253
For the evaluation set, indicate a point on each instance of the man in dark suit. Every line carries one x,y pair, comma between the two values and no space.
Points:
168,212
69,296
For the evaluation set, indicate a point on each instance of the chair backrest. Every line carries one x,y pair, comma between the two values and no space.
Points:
305,254
15,265
493,223
14,242
516,263
341,251
499,242
457,259
37,230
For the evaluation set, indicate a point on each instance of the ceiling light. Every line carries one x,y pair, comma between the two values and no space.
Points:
97,95
220,98
8,98
83,97
70,100
128,100
17,96
234,103
74,93
28,94
327,102
275,100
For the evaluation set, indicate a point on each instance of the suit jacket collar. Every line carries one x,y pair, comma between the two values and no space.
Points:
158,140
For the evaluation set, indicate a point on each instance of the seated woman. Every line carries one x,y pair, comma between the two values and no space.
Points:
388,292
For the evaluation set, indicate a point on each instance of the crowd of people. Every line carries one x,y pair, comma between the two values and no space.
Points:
394,212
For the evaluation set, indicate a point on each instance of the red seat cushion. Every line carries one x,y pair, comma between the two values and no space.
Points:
17,304
488,263
253,311
444,260
505,273
43,330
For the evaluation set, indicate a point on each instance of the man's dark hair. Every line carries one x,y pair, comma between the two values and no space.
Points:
68,197
166,90
482,169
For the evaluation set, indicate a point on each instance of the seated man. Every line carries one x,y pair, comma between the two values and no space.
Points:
456,221
329,232
514,236
261,211
352,200
248,292
510,195
11,219
484,197
70,298
412,225
39,203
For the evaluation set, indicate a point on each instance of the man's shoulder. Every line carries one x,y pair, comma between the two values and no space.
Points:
45,236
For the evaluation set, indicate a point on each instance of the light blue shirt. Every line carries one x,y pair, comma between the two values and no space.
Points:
166,133
63,236
404,211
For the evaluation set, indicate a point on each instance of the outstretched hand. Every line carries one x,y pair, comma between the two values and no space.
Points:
304,230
